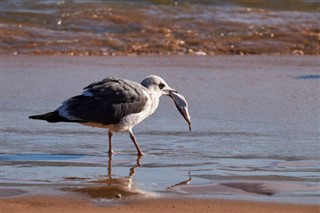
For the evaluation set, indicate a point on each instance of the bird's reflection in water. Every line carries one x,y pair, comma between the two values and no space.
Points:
113,188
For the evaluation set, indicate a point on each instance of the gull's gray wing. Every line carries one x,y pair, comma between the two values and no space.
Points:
105,102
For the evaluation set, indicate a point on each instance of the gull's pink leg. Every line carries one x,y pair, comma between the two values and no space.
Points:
110,143
134,140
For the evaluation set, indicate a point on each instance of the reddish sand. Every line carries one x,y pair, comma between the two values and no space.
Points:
62,204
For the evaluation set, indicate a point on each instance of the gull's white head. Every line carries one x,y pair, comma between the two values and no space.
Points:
156,85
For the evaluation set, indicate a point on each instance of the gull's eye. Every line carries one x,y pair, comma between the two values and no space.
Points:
161,85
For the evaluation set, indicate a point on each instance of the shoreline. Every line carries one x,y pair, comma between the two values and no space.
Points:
112,195
63,204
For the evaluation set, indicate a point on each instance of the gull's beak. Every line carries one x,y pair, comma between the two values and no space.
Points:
167,90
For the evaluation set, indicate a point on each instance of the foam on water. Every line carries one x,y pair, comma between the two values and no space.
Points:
230,27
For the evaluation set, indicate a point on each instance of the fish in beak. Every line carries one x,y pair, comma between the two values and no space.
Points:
182,105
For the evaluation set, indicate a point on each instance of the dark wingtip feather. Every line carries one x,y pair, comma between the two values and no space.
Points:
34,117
50,117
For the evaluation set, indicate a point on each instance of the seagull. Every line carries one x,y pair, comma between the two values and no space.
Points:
113,103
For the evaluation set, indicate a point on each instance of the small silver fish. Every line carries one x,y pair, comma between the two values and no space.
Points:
182,106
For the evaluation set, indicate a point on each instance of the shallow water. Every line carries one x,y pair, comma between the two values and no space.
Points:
229,27
255,123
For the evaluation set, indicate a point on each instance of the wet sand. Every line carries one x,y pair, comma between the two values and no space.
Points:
63,204
267,127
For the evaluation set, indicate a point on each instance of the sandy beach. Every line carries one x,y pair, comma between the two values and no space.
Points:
256,119
63,204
